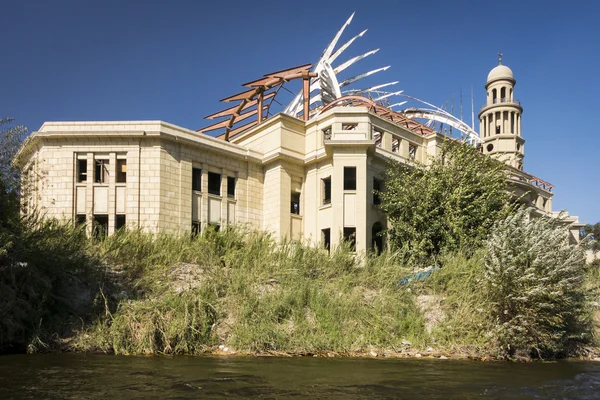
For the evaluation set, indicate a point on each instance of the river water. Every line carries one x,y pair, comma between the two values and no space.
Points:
76,376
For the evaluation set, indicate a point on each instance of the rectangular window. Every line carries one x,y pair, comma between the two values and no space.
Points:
377,136
395,145
231,187
350,238
214,183
120,222
197,179
81,171
327,133
326,238
80,220
412,151
376,191
121,170
100,226
295,203
101,170
326,190
195,228
349,126
349,178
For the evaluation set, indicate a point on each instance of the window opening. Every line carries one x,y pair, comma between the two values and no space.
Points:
195,228
101,171
395,145
327,133
120,221
412,151
349,126
490,147
80,220
326,190
197,179
503,94
497,129
376,191
350,238
214,183
295,203
326,238
231,187
377,237
377,136
121,170
100,226
349,178
81,171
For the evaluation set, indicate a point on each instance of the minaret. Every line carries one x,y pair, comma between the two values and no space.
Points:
500,118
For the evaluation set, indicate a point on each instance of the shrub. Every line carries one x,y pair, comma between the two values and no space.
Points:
450,204
534,280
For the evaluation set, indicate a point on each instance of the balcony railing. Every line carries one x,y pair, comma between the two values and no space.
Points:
502,100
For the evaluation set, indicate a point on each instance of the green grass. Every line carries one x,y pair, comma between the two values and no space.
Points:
241,289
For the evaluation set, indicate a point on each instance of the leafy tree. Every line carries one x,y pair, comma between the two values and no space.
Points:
535,284
592,234
450,204
10,141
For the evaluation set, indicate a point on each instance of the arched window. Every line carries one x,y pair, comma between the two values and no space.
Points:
494,96
377,237
503,94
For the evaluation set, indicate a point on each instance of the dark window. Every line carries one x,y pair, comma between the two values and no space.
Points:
101,171
100,226
121,170
82,171
490,147
327,133
231,187
120,222
376,191
349,178
327,190
196,179
326,238
295,203
395,145
214,183
350,237
195,228
80,220
377,237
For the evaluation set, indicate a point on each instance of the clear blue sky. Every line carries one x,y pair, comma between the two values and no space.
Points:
173,61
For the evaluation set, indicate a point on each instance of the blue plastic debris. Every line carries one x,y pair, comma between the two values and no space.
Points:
419,276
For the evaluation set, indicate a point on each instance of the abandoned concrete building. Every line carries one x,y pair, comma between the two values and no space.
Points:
308,172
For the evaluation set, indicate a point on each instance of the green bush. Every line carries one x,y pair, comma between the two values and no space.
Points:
448,205
535,283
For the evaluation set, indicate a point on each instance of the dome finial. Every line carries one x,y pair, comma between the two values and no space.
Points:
499,58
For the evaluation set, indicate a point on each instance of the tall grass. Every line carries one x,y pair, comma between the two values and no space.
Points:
241,289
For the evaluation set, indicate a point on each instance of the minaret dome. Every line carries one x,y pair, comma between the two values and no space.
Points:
500,118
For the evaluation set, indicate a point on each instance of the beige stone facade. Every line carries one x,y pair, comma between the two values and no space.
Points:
310,181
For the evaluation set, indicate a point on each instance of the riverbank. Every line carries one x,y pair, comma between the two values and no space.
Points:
240,293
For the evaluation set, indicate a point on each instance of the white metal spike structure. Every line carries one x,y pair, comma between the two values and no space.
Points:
327,82
327,88
442,116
